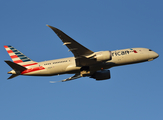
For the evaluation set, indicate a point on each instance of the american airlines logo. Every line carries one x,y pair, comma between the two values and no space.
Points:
119,53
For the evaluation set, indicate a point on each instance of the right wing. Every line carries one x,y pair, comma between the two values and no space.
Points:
77,49
76,76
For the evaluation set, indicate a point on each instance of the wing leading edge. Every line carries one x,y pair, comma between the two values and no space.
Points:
76,48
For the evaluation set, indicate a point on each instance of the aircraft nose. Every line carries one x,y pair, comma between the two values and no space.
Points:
155,55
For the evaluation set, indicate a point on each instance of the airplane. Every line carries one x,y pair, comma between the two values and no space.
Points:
85,62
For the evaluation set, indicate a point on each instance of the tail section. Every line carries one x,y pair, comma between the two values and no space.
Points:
20,62
15,66
18,57
16,69
12,76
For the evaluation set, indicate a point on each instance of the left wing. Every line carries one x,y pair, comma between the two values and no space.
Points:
77,49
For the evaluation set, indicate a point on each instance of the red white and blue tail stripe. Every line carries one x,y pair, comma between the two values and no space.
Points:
18,57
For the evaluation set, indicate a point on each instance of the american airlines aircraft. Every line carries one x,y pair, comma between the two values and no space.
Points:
85,62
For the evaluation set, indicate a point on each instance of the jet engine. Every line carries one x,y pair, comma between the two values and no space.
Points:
101,75
103,56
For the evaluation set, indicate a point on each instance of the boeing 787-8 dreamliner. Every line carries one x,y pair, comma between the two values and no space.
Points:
85,62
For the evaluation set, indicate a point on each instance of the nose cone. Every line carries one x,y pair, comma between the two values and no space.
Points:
157,55
154,55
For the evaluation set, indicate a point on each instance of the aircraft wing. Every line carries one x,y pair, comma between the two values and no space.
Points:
76,48
76,76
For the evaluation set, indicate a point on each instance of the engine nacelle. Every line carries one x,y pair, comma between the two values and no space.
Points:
101,75
103,56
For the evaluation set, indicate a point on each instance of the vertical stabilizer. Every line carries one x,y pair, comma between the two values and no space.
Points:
18,57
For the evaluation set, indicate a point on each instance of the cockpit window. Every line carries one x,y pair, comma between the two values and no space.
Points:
150,50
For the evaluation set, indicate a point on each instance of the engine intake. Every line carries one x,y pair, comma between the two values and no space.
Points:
101,75
103,56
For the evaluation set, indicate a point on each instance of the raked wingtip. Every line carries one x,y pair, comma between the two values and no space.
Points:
49,26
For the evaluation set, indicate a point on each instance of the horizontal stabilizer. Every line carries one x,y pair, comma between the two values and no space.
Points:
15,66
12,76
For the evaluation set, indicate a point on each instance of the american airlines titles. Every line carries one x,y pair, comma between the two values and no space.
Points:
119,53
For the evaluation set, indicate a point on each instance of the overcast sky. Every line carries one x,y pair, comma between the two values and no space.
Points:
134,92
